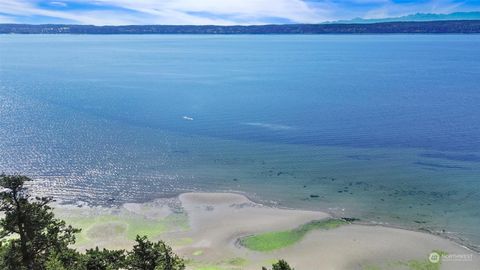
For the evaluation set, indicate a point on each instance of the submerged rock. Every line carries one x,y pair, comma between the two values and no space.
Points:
349,219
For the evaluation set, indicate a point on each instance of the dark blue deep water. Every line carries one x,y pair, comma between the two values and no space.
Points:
386,128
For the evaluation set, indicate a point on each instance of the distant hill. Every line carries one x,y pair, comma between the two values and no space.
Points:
420,17
428,27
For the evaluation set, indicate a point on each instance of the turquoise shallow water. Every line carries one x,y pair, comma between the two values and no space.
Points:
385,128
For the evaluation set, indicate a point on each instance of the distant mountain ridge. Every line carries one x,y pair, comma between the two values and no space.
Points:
425,27
419,17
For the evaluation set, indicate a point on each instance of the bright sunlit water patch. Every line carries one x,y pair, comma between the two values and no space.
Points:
384,128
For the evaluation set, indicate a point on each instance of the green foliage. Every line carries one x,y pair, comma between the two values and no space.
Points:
280,265
54,263
96,259
147,255
29,225
275,240
11,259
33,239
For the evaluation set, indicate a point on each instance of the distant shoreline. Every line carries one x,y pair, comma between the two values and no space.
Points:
403,27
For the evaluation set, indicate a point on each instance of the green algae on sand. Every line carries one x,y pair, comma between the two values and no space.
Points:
426,264
112,226
209,268
414,264
234,263
275,240
237,261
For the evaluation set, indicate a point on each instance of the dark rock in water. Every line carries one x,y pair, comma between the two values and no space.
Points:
419,221
304,186
110,199
314,196
340,191
235,179
349,219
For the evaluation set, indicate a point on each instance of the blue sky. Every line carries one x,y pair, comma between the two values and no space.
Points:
221,12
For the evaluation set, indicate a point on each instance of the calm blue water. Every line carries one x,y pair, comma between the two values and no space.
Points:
386,128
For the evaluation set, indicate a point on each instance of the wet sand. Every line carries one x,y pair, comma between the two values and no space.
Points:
214,223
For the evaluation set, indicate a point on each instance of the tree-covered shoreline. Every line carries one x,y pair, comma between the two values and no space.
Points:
405,27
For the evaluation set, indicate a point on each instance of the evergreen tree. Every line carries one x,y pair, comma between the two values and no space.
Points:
147,255
96,259
30,223
280,265
31,238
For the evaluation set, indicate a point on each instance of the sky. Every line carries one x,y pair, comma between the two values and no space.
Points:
218,12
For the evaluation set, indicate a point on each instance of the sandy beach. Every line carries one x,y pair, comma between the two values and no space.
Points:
208,230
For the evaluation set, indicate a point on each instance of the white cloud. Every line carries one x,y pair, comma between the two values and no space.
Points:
58,4
220,12
173,11
7,19
234,11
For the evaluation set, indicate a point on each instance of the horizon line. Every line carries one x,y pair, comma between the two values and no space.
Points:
249,25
